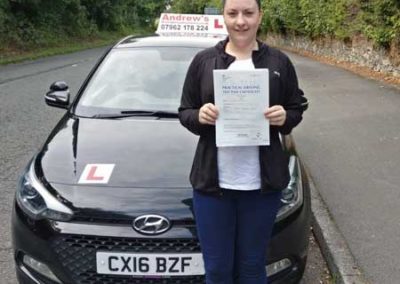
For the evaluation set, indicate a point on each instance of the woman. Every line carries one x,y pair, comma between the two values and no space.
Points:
237,190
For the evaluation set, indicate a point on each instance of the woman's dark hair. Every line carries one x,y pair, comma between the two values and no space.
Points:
257,1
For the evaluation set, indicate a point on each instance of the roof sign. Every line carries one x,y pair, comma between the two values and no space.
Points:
191,25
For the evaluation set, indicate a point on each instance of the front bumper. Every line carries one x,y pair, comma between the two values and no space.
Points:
69,249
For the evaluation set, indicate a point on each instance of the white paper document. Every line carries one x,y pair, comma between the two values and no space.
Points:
241,97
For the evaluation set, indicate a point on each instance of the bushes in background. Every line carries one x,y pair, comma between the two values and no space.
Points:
194,6
378,20
27,23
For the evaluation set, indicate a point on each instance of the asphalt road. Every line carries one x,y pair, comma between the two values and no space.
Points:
25,122
350,142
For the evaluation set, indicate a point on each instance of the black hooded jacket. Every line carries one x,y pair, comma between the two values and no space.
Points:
198,90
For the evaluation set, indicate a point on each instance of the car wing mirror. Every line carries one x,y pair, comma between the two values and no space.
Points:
58,95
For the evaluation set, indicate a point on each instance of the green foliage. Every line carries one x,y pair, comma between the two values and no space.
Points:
306,17
378,20
381,20
72,45
282,16
104,14
32,23
149,10
194,6
39,22
27,23
4,12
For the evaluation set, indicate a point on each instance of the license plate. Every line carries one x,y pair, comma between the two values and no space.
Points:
148,264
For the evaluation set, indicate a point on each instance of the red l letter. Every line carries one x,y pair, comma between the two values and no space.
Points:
217,25
91,174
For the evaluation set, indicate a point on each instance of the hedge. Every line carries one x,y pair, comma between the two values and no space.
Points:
378,20
27,23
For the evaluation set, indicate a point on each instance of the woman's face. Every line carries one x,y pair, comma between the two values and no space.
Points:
242,19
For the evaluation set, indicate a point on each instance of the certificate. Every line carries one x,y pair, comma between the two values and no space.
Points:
241,97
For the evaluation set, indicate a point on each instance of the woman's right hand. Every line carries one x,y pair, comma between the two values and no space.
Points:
208,114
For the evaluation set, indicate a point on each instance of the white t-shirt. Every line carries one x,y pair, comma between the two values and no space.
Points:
239,167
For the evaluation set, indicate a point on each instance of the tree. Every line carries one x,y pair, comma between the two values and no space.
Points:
149,10
193,6
4,14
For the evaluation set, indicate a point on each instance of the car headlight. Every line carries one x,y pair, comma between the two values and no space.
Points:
35,200
292,195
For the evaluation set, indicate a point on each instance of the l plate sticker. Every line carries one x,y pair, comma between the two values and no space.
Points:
96,173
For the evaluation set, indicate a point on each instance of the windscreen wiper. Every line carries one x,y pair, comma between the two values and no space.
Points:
136,113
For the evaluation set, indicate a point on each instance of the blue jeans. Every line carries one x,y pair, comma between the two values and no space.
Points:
234,231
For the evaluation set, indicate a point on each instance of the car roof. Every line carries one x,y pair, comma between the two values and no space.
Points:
175,41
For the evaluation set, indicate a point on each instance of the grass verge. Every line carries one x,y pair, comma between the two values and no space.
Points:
10,54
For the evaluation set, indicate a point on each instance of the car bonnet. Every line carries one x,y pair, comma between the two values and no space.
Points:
131,152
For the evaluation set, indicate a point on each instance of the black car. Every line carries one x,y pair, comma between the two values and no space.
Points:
107,199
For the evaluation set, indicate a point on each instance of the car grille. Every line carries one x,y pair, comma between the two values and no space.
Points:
101,219
77,254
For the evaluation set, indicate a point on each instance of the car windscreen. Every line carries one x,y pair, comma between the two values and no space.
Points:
135,79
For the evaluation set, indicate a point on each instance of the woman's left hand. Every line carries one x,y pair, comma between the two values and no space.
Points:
276,115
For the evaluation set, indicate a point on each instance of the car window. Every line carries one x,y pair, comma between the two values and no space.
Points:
137,79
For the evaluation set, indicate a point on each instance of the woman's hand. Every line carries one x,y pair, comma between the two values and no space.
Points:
208,114
276,115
